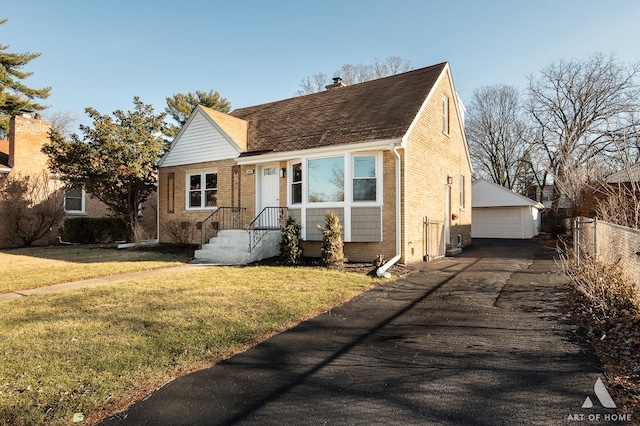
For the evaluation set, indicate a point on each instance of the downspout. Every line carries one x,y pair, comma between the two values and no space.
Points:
382,271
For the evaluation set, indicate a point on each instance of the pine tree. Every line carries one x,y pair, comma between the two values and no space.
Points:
180,106
14,95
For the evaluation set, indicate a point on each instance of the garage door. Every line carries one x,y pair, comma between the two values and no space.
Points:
494,222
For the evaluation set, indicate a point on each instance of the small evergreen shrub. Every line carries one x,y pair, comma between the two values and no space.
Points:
290,250
91,230
332,247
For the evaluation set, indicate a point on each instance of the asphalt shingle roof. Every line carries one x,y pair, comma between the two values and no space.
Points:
374,110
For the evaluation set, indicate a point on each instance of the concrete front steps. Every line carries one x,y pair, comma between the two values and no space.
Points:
231,247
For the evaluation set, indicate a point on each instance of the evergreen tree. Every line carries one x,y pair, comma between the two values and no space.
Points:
180,106
14,95
332,246
116,159
290,250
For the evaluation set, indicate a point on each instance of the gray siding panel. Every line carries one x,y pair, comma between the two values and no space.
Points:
366,224
315,218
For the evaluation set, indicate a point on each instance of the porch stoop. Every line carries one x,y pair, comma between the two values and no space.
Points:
452,250
231,247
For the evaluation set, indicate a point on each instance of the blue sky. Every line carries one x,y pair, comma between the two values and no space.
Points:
101,54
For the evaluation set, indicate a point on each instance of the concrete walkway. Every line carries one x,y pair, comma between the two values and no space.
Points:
476,340
57,288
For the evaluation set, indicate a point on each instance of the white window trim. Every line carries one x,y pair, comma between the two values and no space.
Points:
348,190
82,202
187,193
378,178
346,205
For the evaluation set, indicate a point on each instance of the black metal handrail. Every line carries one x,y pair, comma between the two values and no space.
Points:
223,218
269,219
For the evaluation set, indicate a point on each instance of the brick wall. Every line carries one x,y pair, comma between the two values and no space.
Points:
26,137
431,157
235,188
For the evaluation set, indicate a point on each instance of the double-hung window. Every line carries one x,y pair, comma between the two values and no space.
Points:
74,200
202,190
296,183
364,178
445,115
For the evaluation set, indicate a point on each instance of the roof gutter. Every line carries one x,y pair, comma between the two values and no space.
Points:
382,271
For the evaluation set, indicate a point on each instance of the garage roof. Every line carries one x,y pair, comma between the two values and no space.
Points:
485,193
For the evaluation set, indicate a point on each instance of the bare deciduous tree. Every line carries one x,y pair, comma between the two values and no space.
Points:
62,122
313,84
580,109
30,206
496,133
352,74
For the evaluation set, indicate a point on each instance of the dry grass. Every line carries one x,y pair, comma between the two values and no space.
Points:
94,351
27,268
606,305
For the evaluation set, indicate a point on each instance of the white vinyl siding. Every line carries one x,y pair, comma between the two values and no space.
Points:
201,142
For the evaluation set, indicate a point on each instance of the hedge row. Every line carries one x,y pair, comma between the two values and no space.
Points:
90,230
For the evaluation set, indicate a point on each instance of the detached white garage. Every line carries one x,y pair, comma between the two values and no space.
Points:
501,213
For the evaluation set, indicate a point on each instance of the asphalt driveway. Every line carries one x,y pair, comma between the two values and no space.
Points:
478,339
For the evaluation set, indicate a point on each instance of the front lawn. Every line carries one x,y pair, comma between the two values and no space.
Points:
91,352
33,267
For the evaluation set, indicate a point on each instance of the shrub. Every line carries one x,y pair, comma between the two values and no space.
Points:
29,207
605,292
181,232
290,250
90,230
332,247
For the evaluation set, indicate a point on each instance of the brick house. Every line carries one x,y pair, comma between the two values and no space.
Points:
22,154
388,156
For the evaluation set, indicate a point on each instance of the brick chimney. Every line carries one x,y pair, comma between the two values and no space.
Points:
27,134
337,82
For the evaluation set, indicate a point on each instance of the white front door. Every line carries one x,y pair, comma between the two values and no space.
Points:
269,187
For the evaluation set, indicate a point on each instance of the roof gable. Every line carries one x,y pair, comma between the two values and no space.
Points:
203,139
488,194
380,109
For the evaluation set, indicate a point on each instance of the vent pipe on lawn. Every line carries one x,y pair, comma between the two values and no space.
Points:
382,271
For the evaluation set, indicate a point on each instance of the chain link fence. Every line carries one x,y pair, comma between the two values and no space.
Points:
608,244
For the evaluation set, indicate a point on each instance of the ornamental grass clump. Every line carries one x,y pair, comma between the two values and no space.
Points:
332,246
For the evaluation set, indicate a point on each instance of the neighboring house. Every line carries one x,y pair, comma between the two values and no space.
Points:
22,155
5,168
384,155
626,176
499,212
